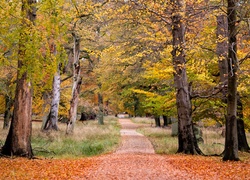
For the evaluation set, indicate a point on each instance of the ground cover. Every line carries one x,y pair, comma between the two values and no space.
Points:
123,165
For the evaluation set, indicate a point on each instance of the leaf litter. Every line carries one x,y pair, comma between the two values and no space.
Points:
126,165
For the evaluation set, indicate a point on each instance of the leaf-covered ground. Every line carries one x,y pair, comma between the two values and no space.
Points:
125,166
133,160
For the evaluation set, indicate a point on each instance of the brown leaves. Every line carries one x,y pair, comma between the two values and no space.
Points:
211,167
21,168
125,166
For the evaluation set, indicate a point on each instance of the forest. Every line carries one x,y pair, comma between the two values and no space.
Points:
65,60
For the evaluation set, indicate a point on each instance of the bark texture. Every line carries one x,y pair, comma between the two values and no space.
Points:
231,141
77,81
242,140
221,51
18,142
186,139
52,119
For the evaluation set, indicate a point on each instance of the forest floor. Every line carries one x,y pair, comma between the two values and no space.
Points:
134,159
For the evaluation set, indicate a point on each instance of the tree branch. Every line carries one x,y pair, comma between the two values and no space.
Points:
244,58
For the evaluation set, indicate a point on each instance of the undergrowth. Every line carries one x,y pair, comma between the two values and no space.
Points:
88,139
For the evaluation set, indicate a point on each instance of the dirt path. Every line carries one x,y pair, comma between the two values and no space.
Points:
135,159
132,141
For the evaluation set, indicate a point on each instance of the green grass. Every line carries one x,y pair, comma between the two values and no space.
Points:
164,143
161,139
88,139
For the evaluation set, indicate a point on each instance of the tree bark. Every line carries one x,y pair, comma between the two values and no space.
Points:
18,142
186,139
52,119
77,81
242,140
221,51
231,141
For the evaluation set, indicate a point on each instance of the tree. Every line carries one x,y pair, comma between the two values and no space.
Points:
52,119
186,139
18,142
222,50
77,81
53,22
231,141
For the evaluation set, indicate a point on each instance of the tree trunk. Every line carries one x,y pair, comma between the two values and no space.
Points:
77,81
242,140
157,121
136,105
231,141
221,51
18,142
166,120
186,139
100,110
7,113
52,119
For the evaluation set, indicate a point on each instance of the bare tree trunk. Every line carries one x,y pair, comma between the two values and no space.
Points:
77,81
52,119
186,139
18,142
231,141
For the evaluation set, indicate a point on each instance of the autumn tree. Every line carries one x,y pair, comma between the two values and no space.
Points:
222,50
231,142
53,21
18,142
186,140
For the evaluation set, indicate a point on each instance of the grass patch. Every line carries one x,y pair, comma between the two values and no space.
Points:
143,120
161,139
89,139
164,143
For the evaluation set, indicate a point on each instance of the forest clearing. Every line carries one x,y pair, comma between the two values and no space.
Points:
122,163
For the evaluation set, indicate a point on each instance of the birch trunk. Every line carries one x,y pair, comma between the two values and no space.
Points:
52,119
77,81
